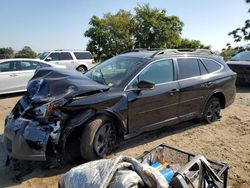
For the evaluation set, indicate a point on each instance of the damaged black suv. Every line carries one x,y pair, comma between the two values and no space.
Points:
67,113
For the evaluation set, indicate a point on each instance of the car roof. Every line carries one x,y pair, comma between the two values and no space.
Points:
157,54
21,59
64,50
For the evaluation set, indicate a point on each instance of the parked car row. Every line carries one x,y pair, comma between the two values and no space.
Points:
17,72
142,90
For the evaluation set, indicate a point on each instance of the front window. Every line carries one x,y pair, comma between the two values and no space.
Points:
10,66
55,56
242,56
159,72
114,71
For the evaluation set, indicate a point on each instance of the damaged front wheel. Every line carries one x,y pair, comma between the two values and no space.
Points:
98,138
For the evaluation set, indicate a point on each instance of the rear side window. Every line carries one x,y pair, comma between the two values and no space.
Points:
65,56
30,65
82,55
188,68
211,65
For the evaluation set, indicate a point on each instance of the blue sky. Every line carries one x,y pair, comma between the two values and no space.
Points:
59,24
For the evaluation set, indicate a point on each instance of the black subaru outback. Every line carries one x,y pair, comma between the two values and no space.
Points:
66,112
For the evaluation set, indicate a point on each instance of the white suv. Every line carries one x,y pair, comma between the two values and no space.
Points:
72,59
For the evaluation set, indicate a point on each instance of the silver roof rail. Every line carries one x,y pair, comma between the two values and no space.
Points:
182,51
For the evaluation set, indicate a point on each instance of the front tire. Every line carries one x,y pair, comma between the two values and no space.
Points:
212,110
98,138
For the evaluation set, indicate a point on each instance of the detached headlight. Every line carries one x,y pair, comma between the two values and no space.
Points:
45,110
41,111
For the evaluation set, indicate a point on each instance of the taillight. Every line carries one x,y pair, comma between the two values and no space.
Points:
93,61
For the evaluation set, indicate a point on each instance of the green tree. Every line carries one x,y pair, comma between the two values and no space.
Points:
111,34
242,33
187,43
155,29
148,28
6,53
26,52
228,52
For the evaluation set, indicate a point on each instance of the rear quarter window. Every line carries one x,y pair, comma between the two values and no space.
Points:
211,65
83,55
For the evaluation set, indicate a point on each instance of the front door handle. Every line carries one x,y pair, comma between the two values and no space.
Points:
173,91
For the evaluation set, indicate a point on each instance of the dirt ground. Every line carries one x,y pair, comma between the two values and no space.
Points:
227,140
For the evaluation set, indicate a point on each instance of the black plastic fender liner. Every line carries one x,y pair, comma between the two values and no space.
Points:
79,118
120,122
75,121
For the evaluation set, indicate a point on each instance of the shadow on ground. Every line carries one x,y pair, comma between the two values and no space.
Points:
6,96
243,88
36,169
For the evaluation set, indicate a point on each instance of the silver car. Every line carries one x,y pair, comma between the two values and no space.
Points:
15,73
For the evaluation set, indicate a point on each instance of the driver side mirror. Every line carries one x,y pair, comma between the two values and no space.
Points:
48,59
144,85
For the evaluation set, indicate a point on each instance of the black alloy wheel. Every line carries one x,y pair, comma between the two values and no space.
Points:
212,112
98,138
103,143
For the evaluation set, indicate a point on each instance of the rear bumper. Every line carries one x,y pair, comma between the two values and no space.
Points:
24,140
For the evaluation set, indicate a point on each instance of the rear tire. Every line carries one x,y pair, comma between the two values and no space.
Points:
81,69
212,110
98,138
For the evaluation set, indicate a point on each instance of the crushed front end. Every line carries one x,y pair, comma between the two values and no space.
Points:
35,129
30,127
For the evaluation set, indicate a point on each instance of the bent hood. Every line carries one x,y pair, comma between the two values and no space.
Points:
50,84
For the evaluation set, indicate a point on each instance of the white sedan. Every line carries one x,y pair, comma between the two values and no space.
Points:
15,73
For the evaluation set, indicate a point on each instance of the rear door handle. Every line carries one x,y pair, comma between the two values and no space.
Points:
207,84
173,91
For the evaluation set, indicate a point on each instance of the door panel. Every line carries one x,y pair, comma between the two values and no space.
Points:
191,98
148,109
151,107
9,81
193,87
24,77
9,76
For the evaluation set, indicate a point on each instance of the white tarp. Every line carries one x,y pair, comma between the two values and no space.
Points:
120,171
